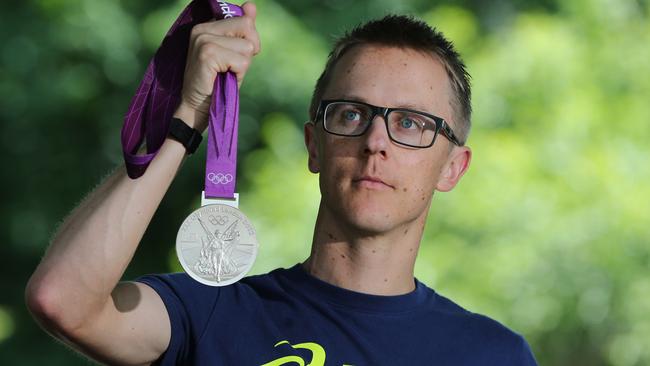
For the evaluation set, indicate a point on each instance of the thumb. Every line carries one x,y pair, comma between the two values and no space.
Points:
250,10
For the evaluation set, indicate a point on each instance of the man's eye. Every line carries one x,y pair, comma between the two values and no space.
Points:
408,123
351,115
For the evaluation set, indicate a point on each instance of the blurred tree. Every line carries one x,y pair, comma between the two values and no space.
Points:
547,232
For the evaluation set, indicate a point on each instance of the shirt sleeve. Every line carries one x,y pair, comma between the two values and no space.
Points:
189,305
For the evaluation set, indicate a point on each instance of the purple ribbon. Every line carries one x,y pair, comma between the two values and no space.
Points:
159,94
221,163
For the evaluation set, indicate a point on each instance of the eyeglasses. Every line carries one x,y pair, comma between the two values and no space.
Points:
405,126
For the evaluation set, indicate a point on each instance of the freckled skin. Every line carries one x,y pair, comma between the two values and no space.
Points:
343,158
365,219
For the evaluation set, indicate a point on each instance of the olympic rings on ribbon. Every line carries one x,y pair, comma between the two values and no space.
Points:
220,178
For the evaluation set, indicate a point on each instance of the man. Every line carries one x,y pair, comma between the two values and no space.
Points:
389,118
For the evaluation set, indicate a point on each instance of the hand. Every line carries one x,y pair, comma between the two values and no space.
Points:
216,46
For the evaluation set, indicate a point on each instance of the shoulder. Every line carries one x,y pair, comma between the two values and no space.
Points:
180,288
457,316
486,338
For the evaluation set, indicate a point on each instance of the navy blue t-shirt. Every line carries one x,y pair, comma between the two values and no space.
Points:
289,317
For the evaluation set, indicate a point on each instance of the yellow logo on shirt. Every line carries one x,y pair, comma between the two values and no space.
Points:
317,358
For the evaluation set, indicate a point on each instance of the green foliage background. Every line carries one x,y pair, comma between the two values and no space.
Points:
549,231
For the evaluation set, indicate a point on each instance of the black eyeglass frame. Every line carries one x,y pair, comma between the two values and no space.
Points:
441,124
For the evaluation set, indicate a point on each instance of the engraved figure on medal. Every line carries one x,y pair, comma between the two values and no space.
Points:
216,257
216,245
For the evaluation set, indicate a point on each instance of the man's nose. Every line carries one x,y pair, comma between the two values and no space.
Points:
376,139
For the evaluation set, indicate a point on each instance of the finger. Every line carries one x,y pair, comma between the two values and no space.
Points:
250,10
221,59
242,27
240,45
232,27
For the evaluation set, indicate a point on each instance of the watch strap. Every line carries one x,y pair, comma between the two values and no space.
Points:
186,135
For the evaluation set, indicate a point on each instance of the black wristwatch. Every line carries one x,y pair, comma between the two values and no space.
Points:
186,135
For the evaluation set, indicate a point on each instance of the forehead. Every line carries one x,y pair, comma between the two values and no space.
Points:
392,77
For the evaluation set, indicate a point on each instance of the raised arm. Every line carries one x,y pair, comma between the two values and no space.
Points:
74,292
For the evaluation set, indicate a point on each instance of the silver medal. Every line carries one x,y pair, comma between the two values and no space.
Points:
216,245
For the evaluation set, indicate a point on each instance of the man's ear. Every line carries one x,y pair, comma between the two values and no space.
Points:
311,142
455,167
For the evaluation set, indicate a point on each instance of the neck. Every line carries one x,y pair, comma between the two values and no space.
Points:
379,263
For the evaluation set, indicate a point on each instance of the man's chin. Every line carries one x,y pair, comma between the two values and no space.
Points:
370,223
364,216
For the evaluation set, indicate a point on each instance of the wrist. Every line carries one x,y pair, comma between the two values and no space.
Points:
192,117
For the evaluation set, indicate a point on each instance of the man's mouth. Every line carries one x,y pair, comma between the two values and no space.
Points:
371,182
